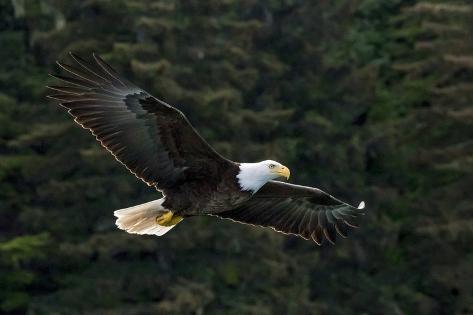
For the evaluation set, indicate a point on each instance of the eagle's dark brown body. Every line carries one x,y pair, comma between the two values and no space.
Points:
156,143
203,196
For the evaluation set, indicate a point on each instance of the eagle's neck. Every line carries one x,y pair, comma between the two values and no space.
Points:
252,176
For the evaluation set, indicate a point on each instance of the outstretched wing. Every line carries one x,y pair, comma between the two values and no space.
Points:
304,211
154,140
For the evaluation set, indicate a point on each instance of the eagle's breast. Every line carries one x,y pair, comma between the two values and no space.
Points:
209,195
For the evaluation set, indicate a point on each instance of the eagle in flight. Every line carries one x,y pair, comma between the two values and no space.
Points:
157,143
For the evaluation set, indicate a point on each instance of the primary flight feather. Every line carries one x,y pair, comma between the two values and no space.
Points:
156,143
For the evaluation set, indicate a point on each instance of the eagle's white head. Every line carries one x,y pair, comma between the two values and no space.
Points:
253,176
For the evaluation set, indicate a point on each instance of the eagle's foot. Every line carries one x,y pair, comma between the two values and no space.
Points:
168,219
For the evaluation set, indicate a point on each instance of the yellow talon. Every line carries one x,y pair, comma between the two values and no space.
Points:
176,219
168,219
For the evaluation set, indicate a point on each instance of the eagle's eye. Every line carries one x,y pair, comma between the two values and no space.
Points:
272,165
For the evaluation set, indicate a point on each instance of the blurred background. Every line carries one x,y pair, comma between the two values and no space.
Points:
366,99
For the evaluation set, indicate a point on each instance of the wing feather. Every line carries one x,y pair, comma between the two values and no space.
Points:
292,209
154,140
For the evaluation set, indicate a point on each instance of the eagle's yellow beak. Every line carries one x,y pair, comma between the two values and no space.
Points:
282,171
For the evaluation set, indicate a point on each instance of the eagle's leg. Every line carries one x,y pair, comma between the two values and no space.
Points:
168,219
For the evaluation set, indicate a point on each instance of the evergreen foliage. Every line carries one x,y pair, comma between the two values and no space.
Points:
369,100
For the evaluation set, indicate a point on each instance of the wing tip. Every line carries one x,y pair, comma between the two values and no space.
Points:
361,205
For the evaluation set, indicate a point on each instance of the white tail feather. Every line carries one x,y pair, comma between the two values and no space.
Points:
141,219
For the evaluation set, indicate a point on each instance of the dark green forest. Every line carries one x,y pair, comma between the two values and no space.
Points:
366,99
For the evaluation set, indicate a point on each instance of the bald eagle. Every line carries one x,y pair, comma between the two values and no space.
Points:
156,143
